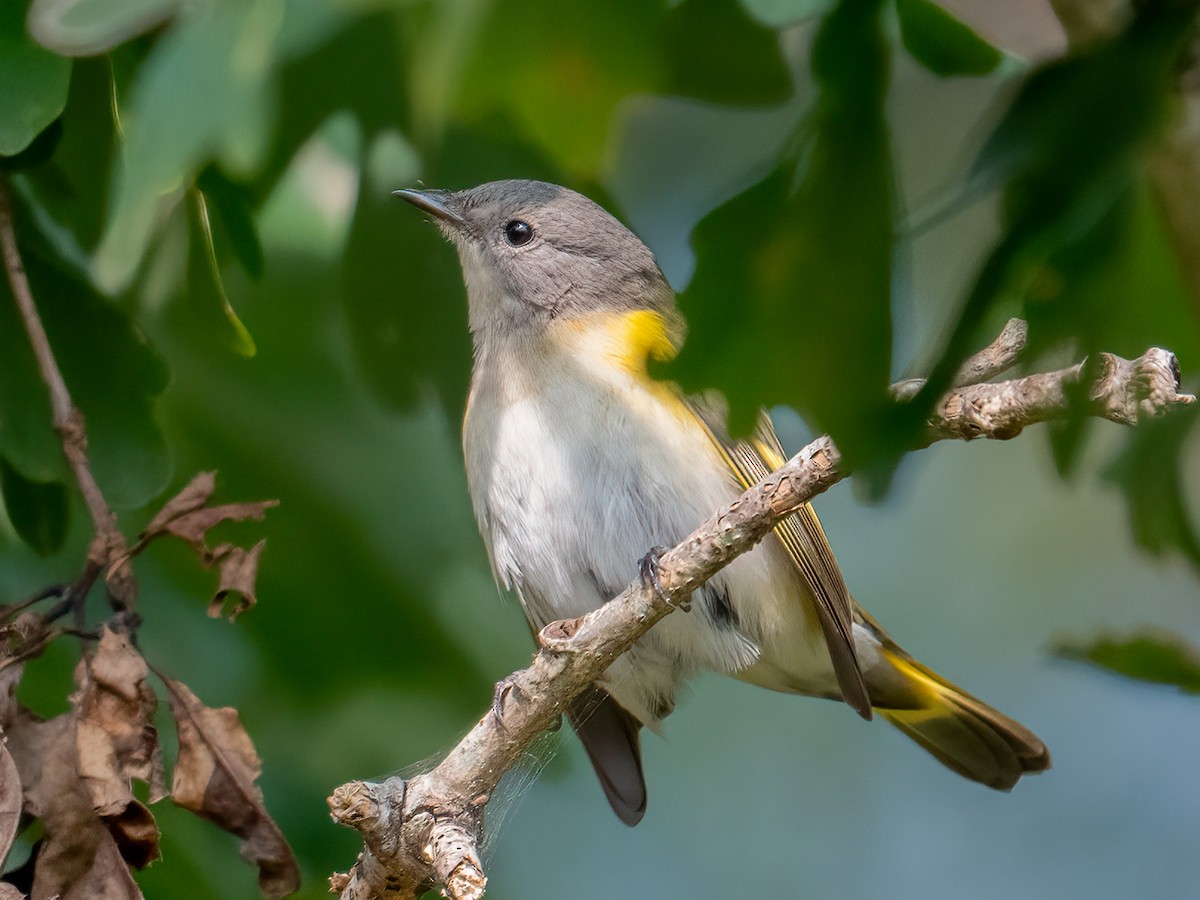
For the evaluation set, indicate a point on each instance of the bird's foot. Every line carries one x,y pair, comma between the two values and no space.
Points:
505,688
648,567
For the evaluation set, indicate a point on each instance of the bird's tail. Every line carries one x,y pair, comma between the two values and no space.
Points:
959,730
964,733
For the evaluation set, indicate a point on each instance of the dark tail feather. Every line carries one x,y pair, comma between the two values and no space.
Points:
961,731
610,736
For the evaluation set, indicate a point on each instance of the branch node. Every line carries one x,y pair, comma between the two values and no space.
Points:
359,805
558,635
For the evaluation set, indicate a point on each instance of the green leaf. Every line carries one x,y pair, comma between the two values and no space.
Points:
1159,658
1084,291
88,27
33,82
1150,473
790,302
37,509
717,53
69,188
941,43
203,93
778,13
556,72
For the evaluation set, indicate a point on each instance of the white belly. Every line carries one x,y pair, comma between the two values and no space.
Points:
572,485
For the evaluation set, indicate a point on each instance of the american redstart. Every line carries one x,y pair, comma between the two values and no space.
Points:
579,463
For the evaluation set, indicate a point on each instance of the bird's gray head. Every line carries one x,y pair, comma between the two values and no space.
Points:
534,252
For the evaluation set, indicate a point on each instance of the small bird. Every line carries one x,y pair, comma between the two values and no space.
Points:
579,463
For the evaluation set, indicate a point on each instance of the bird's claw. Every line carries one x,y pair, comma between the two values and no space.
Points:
504,687
648,569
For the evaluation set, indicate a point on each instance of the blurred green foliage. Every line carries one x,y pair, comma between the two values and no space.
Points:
206,220
1160,659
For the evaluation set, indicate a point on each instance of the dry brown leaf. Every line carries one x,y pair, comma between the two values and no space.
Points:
78,858
116,742
193,526
239,572
8,892
186,516
10,802
192,497
215,778
116,698
10,676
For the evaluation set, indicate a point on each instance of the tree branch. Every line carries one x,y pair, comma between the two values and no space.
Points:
108,545
422,833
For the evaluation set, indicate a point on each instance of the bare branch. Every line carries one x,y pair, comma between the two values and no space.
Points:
995,359
422,833
108,544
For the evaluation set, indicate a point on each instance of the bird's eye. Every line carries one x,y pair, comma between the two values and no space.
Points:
517,232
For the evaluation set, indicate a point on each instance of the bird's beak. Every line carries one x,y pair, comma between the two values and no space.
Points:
442,205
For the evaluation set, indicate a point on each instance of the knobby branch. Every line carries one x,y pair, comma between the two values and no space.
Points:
423,832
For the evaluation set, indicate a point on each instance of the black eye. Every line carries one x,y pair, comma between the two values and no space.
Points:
518,232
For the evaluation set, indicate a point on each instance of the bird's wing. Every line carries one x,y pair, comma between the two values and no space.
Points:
804,539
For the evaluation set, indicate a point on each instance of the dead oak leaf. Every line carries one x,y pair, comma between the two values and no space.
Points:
10,801
116,698
11,671
239,573
197,493
117,742
77,858
193,526
187,516
215,777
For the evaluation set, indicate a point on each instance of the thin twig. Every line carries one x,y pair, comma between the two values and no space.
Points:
423,832
108,543
996,358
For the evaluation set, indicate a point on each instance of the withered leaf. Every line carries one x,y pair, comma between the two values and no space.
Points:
192,497
192,526
8,892
239,572
78,858
10,780
186,516
10,802
115,706
215,778
11,671
116,742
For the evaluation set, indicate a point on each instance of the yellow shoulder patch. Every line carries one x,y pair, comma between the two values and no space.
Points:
646,336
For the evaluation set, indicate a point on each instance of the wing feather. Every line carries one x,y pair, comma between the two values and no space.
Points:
804,540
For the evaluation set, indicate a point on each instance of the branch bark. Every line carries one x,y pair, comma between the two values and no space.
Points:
108,545
423,832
